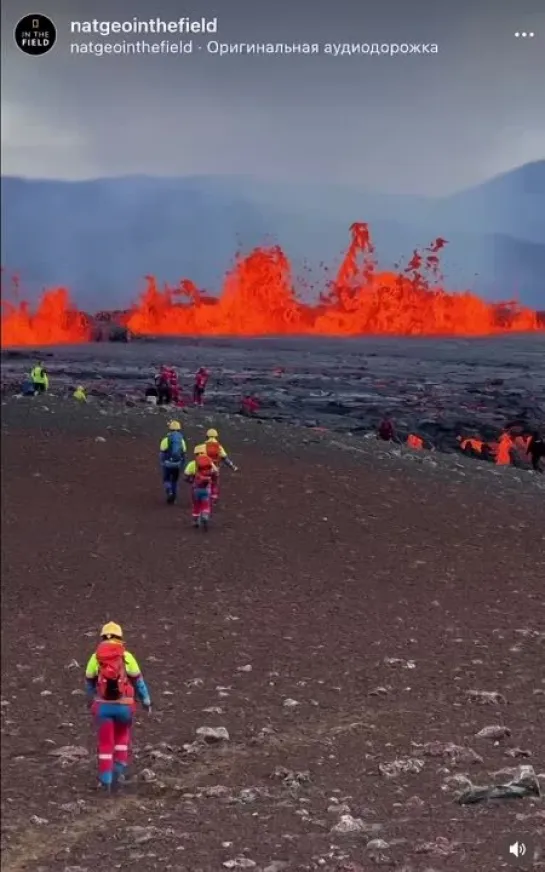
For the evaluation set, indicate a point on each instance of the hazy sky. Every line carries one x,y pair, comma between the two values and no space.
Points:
426,124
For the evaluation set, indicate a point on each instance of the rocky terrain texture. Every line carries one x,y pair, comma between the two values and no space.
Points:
435,388
347,672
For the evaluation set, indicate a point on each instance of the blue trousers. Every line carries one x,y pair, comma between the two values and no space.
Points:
171,474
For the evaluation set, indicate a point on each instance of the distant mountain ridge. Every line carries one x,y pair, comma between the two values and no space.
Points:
101,237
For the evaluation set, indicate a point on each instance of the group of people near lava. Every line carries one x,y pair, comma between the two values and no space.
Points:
167,391
167,387
514,441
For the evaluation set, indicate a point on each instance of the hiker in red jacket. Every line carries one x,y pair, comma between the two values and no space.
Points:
201,473
218,455
114,682
174,384
201,380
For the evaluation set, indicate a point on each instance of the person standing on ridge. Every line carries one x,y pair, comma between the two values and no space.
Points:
201,474
504,450
113,684
162,384
201,380
386,430
536,450
218,455
39,378
173,450
174,384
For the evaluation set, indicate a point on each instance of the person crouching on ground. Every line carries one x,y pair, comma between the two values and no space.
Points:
218,455
39,378
172,457
201,473
113,683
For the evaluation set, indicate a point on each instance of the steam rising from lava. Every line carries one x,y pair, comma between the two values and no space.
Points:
259,298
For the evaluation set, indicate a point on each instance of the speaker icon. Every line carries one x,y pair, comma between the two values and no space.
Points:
518,849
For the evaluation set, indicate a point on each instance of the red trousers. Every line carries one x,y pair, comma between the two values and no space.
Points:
201,503
114,727
215,489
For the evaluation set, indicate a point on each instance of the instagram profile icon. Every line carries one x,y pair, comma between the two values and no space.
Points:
35,34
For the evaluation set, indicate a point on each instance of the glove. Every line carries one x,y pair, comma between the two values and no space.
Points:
146,705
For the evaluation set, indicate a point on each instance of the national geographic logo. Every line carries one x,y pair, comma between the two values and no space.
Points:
35,34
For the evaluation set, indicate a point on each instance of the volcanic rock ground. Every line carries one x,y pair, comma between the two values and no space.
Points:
436,387
343,610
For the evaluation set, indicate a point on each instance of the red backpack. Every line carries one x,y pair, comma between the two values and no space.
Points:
213,451
203,475
113,682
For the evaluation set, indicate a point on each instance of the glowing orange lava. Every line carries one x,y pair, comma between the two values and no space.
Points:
54,322
259,298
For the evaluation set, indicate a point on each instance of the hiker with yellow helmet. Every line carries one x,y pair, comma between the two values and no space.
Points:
173,450
218,455
39,378
114,682
201,473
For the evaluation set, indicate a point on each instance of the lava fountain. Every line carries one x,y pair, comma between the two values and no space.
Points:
259,298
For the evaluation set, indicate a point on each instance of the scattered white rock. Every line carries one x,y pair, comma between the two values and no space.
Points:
70,753
290,703
247,668
248,795
100,439
240,863
218,791
487,697
211,735
377,845
348,825
400,766
495,731
379,691
517,752
38,821
449,751
148,775
400,661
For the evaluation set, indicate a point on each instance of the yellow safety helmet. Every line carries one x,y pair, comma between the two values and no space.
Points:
112,629
212,434
174,425
199,449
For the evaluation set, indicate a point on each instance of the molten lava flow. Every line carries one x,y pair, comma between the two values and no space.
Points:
53,322
259,298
